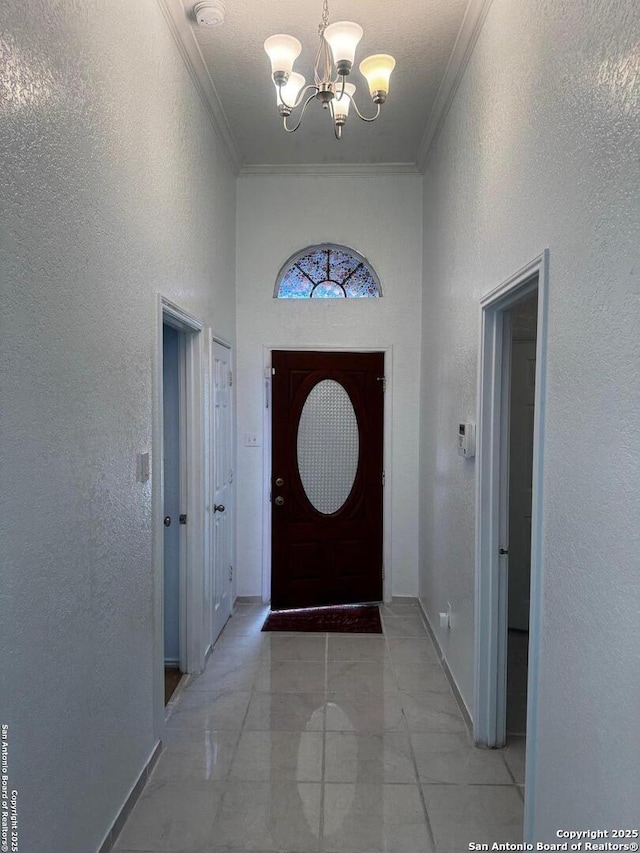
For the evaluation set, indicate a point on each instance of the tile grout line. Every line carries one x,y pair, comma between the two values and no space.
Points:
518,788
227,778
324,742
468,785
411,750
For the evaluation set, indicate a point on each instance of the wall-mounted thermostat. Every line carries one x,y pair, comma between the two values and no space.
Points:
467,440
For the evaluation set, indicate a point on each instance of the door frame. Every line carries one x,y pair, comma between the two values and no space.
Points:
491,613
193,455
386,459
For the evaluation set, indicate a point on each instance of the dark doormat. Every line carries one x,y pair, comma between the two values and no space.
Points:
344,619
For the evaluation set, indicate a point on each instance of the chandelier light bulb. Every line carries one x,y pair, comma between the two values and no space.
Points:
287,95
377,71
341,103
343,38
282,50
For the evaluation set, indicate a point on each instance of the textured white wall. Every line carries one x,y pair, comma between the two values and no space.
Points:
380,217
540,149
113,187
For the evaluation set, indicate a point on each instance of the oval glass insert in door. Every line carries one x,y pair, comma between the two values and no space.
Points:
328,446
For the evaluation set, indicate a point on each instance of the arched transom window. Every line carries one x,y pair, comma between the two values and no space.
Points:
327,272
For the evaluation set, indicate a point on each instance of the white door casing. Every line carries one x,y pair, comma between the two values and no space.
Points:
192,534
489,717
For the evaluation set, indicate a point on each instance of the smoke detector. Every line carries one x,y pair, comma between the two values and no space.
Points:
209,13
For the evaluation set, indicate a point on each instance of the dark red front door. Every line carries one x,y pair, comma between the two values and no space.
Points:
326,488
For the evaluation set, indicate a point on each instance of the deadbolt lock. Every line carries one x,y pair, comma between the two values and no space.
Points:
279,481
279,500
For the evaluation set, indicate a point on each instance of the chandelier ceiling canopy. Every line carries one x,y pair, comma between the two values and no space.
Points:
333,64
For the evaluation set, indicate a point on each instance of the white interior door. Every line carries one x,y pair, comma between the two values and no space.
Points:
523,386
172,481
222,490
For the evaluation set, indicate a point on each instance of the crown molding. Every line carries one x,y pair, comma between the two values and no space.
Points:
470,29
182,31
337,169
185,40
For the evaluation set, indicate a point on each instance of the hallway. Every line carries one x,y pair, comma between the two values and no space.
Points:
322,742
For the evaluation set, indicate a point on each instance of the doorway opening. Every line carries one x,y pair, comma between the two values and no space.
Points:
174,505
509,517
521,331
178,500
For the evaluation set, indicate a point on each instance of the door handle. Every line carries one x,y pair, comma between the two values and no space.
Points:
279,501
503,551
167,521
218,507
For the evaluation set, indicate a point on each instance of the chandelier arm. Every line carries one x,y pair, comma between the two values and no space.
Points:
306,104
309,88
365,118
344,82
301,95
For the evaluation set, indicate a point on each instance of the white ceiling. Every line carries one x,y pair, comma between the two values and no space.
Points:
420,34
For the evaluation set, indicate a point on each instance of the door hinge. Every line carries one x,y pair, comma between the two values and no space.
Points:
230,378
383,478
382,379
267,379
383,573
183,518
230,573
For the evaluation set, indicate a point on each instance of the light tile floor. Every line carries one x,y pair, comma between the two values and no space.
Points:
332,743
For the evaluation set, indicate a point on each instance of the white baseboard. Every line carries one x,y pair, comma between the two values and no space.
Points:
129,803
447,671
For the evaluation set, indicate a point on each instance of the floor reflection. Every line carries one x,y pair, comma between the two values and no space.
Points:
338,743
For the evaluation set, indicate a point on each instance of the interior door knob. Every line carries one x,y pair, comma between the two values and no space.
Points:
167,521
218,507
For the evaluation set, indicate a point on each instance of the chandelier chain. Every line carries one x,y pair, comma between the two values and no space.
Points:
322,65
325,17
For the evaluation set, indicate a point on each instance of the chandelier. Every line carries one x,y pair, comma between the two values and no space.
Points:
337,47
